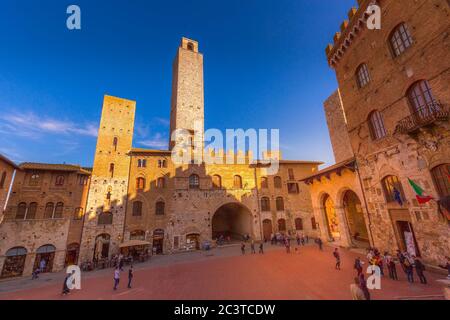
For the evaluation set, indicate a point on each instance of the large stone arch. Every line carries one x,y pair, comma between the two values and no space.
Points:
232,219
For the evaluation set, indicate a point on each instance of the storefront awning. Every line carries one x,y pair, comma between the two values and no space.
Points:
134,243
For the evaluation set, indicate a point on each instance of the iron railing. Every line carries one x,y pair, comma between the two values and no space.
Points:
430,113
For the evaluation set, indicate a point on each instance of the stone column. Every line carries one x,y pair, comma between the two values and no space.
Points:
344,230
29,264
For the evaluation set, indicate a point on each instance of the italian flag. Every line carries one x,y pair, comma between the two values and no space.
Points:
420,195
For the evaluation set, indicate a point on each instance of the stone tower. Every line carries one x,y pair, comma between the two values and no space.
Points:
106,205
187,105
337,126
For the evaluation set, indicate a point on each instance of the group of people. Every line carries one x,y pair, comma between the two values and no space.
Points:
252,247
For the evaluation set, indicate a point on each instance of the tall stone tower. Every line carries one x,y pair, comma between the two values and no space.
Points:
187,105
106,205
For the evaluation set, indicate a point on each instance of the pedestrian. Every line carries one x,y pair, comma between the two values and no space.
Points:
358,266
243,248
42,264
116,277
261,248
446,265
121,262
298,240
338,259
408,267
401,258
288,246
252,245
355,290
66,289
363,286
320,243
35,273
130,276
420,268
307,239
303,240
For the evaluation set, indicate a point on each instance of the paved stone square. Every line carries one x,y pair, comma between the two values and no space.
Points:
307,274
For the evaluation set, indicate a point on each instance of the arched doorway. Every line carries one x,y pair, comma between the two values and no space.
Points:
355,219
72,254
331,218
267,229
193,241
282,225
232,220
14,262
45,256
101,250
158,241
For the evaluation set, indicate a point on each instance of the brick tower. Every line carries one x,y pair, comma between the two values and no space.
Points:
106,205
187,105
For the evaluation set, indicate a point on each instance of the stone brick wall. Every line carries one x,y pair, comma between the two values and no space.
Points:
7,170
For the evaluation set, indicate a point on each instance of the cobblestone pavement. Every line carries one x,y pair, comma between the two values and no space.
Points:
225,274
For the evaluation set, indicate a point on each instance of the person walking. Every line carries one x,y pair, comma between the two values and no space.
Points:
358,266
261,248
408,267
420,268
116,277
42,265
243,248
338,259
66,289
130,276
288,245
252,246
320,243
298,240
363,286
355,290
121,262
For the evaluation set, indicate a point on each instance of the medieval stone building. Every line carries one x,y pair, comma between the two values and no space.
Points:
138,199
389,125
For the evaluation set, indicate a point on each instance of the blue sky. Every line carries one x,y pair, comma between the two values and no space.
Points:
265,67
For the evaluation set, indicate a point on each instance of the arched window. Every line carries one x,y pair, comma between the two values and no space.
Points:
161,183
376,124
441,178
217,182
105,218
111,169
140,183
400,39
194,181
137,208
35,179
422,100
277,182
59,210
59,181
115,142
137,235
313,223
264,183
280,204
362,75
48,248
31,212
21,211
281,225
265,204
237,182
78,214
393,190
190,46
2,180
48,212
160,208
298,224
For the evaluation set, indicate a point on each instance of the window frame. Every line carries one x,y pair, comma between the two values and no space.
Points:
362,75
398,44
441,179
376,125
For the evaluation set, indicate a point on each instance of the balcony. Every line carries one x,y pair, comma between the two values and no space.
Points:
425,116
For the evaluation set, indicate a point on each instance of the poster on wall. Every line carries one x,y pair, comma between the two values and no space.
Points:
410,246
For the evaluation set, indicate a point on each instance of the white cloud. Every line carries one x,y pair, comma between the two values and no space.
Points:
157,141
32,125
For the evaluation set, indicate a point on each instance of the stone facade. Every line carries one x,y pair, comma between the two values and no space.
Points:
7,168
408,138
46,207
